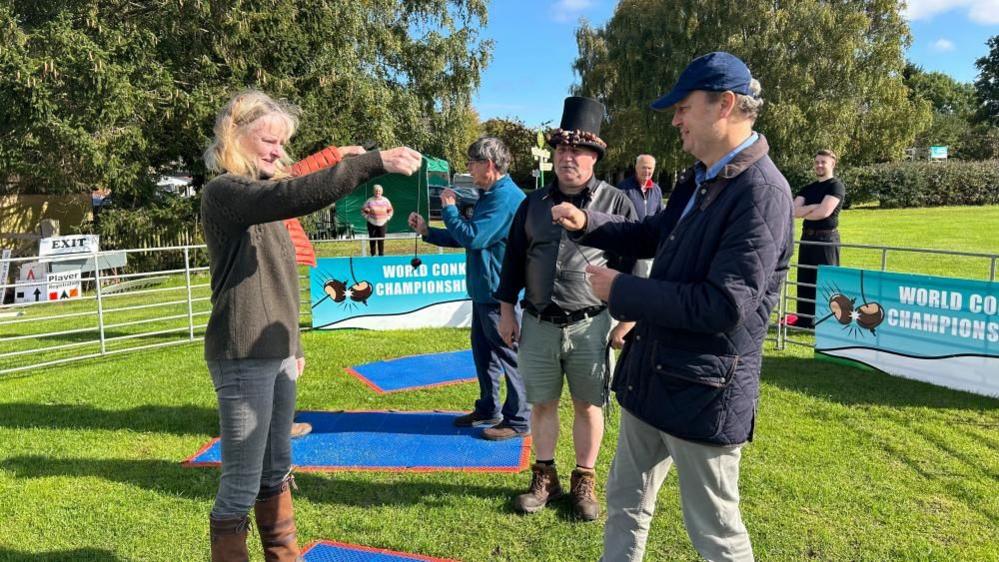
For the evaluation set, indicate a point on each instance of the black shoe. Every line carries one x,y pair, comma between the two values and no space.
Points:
475,419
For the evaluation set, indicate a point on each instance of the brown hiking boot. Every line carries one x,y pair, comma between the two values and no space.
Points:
544,488
583,494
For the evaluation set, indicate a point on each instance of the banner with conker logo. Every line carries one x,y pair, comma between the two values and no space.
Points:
939,330
390,292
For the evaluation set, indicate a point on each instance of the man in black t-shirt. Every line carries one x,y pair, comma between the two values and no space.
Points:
819,204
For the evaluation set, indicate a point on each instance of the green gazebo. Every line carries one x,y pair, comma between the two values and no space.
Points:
407,194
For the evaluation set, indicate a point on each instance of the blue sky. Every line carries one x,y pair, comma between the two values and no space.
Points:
535,46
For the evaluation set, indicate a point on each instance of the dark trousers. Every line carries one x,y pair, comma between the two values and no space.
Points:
377,232
813,255
494,359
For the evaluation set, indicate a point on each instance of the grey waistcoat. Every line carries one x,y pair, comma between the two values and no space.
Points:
556,268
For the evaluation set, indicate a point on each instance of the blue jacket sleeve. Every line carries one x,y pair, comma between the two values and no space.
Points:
737,278
440,237
488,226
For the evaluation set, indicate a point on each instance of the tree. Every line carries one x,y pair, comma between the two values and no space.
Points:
465,131
831,74
519,139
110,92
945,94
953,104
987,84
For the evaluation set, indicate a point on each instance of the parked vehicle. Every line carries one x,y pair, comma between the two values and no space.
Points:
464,187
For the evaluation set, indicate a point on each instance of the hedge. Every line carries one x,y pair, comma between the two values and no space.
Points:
924,184
916,184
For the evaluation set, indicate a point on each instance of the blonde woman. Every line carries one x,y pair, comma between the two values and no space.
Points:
252,343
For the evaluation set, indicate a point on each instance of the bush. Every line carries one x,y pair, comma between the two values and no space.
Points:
924,184
173,221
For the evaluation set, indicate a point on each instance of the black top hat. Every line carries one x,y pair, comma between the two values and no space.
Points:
580,126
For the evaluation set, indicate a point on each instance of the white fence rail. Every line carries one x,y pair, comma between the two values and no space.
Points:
163,298
968,265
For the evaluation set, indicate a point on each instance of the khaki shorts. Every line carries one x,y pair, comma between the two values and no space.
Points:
576,351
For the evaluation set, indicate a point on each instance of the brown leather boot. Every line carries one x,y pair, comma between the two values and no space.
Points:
276,523
228,538
544,489
582,490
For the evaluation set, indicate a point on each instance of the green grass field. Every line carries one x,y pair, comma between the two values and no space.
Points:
847,464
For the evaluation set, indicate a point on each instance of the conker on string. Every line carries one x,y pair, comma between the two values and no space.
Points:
415,262
360,292
841,308
337,290
871,315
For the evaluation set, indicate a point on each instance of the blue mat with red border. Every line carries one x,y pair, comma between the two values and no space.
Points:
417,371
332,551
392,442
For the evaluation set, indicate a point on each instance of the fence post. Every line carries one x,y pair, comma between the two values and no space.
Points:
100,301
781,314
190,303
884,259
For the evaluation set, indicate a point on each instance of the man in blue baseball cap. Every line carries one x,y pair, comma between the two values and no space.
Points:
688,376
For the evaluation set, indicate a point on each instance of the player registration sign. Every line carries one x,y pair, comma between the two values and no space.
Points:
64,285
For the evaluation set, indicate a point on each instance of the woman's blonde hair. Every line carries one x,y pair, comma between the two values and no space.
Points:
227,154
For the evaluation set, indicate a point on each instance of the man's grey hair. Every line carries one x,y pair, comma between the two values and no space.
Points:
748,105
649,156
492,149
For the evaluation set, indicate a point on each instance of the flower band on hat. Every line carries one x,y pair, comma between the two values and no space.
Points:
574,137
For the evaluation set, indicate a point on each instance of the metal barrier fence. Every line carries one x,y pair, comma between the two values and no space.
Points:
162,298
968,265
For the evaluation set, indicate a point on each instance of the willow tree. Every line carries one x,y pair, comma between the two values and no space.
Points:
831,74
110,92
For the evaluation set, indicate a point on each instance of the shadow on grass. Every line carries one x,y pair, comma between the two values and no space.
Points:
341,489
180,420
872,393
58,555
857,387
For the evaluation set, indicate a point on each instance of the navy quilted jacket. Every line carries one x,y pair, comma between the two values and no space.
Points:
691,365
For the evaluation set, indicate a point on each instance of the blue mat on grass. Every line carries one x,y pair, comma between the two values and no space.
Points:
331,551
391,441
417,371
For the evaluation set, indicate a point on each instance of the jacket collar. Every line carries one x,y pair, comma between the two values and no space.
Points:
497,185
588,190
746,158
742,161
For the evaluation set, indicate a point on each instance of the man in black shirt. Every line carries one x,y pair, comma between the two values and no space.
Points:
819,204
564,333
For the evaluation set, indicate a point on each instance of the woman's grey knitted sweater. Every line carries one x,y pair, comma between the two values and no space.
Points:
255,289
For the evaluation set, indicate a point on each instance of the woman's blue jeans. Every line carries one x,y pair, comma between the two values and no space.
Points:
256,408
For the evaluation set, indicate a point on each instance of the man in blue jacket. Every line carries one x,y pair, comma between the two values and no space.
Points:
688,378
645,194
484,238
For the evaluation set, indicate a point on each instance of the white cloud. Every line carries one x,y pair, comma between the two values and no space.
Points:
986,11
943,45
979,11
569,10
